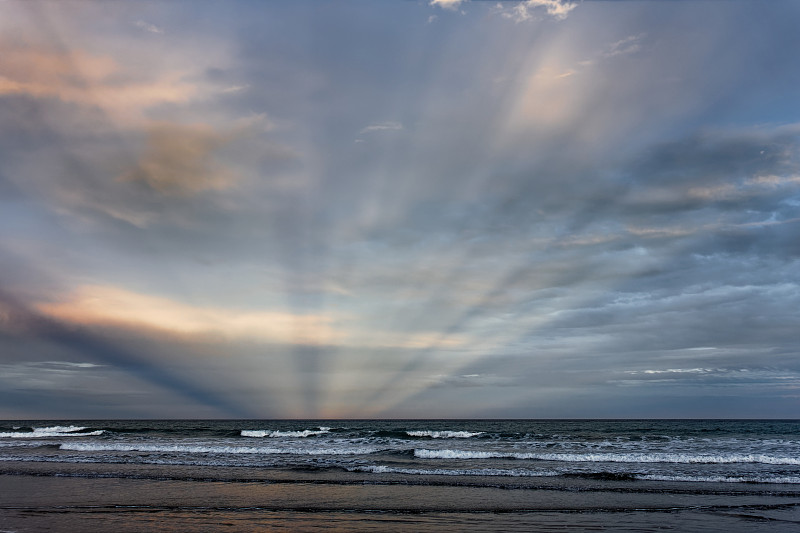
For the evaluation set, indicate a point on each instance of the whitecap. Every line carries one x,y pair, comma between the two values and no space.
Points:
51,431
201,449
276,433
504,472
444,434
791,480
610,457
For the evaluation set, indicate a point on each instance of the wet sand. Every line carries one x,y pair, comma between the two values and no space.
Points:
133,498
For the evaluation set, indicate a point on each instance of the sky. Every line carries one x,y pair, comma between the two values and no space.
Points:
399,209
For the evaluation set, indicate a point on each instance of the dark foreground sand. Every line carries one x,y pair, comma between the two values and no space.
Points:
126,498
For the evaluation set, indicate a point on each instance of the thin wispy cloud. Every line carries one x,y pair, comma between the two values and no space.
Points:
146,26
526,10
447,4
628,45
382,126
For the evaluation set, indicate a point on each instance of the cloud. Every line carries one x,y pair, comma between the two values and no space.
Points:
179,159
104,305
628,45
22,322
779,380
676,371
167,174
88,79
522,11
563,218
747,188
68,364
447,4
382,126
743,176
146,26
472,380
49,70
49,375
98,305
235,89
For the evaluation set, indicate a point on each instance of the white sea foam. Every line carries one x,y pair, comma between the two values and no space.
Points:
20,444
463,454
610,457
444,434
514,472
183,448
792,480
51,431
381,469
270,433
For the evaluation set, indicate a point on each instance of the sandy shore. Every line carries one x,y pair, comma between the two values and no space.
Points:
122,498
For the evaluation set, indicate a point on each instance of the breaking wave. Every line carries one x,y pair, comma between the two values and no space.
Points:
610,457
52,431
444,434
277,434
201,449
789,480
606,476
503,472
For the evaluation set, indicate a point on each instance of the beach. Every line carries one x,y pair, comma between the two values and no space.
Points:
145,499
366,476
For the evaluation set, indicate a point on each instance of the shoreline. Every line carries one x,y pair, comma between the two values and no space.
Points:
73,501
426,476
335,476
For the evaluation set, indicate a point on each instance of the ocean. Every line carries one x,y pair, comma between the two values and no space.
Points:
420,475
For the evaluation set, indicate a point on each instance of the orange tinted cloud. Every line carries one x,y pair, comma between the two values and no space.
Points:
179,159
114,306
86,79
104,305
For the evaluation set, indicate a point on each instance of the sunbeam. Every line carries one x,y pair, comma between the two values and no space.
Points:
293,210
19,321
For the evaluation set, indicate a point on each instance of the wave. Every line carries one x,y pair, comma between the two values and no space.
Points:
389,434
182,448
174,430
52,431
270,433
600,476
788,480
499,472
444,434
610,457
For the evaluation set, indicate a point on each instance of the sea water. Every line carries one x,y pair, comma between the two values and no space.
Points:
731,451
400,475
